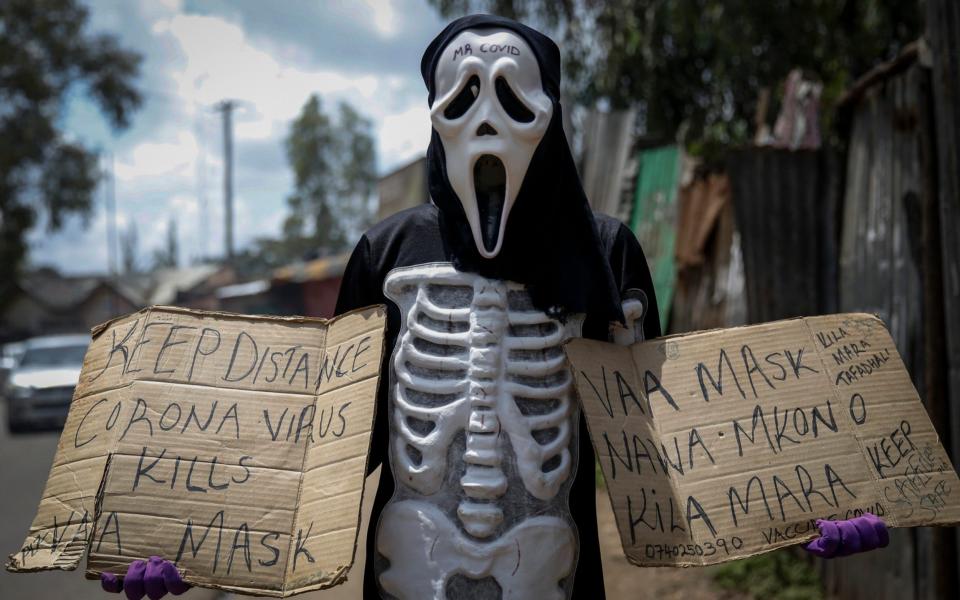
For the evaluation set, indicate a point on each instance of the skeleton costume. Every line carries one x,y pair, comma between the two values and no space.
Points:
478,430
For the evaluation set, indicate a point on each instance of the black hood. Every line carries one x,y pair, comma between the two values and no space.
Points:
550,243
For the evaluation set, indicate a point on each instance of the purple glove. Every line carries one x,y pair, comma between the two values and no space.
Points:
154,578
843,538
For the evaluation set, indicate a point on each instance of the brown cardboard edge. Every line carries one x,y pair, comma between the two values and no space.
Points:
97,512
340,576
303,462
890,519
596,451
727,558
700,332
587,342
95,518
221,314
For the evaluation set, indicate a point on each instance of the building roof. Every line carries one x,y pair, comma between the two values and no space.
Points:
238,290
168,282
319,269
61,293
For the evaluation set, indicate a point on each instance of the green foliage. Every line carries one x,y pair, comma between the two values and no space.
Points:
45,53
780,575
697,67
334,166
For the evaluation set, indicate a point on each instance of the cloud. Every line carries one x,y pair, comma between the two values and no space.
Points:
383,17
167,159
371,36
269,57
403,135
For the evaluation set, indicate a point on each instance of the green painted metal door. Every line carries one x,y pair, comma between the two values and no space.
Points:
654,219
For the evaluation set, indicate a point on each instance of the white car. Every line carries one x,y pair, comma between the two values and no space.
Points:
40,386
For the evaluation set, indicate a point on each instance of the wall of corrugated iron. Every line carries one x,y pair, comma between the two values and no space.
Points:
709,291
943,38
786,215
606,166
880,272
881,237
892,264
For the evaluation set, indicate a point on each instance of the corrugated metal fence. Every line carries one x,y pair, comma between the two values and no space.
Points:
880,236
785,212
874,231
889,266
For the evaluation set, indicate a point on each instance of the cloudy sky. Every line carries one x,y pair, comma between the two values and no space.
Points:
269,56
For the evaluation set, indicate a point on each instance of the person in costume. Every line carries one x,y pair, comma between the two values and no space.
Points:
487,481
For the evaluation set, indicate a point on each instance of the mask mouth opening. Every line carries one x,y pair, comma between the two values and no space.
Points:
490,186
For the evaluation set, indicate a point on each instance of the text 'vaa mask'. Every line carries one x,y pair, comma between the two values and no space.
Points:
491,112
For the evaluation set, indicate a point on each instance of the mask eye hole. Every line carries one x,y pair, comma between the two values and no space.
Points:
517,110
464,100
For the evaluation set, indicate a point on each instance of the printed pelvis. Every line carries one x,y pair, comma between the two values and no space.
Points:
474,356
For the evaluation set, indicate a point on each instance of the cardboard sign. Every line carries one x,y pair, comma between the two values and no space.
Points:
724,444
234,445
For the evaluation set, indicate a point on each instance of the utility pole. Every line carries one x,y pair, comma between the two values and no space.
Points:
204,224
225,108
110,202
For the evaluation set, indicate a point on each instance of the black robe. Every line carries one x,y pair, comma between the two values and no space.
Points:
418,236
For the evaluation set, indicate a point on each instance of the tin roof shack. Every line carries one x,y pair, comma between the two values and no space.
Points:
309,288
892,263
681,213
785,204
47,302
192,287
709,289
248,298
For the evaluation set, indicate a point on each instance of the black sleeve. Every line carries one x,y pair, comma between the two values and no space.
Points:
630,271
359,288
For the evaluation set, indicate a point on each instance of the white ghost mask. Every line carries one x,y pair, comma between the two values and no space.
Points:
491,112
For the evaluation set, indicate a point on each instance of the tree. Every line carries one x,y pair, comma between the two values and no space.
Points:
698,66
168,257
334,167
129,249
45,53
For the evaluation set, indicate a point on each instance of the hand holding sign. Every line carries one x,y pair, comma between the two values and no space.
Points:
843,538
235,446
154,578
722,444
